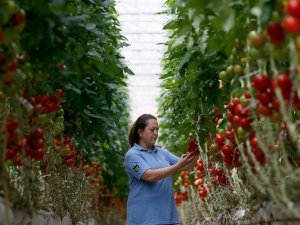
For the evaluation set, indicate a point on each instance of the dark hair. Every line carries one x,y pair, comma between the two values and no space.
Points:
140,123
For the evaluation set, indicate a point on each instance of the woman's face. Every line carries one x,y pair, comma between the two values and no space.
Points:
149,135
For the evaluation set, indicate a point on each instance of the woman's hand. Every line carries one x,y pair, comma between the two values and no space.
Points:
186,160
192,162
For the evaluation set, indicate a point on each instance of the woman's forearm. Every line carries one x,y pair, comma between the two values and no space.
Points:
157,174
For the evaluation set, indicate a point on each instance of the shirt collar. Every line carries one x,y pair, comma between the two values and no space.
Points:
140,148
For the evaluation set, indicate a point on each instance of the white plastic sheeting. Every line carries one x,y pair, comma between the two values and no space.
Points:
143,27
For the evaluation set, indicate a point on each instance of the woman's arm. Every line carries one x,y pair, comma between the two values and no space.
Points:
153,175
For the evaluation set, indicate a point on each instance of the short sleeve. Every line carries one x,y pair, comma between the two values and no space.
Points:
135,165
172,158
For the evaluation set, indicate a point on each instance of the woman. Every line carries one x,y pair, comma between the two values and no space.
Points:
149,167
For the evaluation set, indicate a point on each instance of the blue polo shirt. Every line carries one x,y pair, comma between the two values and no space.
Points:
150,203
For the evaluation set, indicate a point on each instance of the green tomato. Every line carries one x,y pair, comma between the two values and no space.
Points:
241,133
223,76
9,8
44,118
230,71
238,70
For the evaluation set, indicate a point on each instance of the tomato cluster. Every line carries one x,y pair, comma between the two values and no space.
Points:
268,104
14,143
193,146
47,103
11,24
34,144
291,21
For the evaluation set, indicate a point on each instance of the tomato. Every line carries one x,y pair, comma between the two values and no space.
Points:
261,82
238,70
247,95
11,125
256,39
229,116
2,37
223,180
265,98
213,148
193,146
284,83
253,142
18,160
230,106
199,182
245,123
39,143
293,8
70,154
38,133
275,33
227,150
263,110
275,104
223,76
38,154
235,101
229,134
51,107
219,139
214,181
70,163
236,120
200,165
13,66
203,192
18,18
291,24
10,154
241,133
216,171
230,71
60,93
259,155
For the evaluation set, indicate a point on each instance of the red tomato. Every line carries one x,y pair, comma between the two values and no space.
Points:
214,181
18,18
231,107
60,93
229,116
236,120
293,8
263,110
265,98
291,24
227,150
39,143
219,139
275,33
284,83
200,165
10,154
229,134
245,123
202,192
18,160
261,82
70,162
38,154
11,125
38,133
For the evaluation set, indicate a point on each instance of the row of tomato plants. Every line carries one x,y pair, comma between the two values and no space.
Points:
231,91
62,92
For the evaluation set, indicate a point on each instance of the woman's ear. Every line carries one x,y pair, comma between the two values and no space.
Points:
140,132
